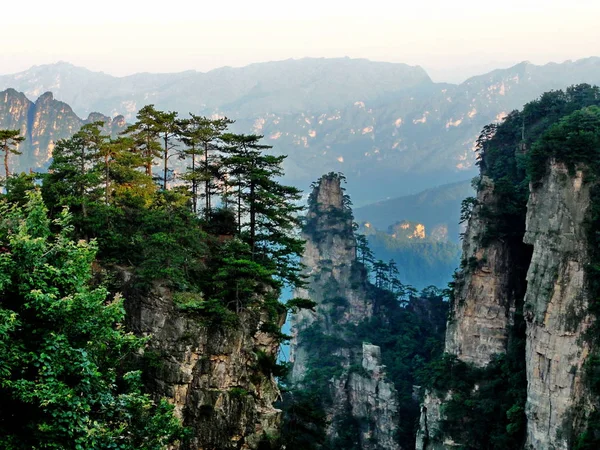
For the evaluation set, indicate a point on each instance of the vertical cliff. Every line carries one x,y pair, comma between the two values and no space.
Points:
43,123
525,302
217,375
359,401
488,290
557,308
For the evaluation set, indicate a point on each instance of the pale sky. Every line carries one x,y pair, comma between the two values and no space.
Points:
450,39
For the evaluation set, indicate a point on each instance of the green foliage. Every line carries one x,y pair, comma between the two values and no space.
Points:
486,408
305,422
590,437
238,392
17,187
268,365
574,140
333,218
572,136
466,208
232,260
62,378
296,304
409,336
409,330
486,405
9,143
422,262
212,312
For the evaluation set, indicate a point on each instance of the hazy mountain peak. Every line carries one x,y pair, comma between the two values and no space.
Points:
373,121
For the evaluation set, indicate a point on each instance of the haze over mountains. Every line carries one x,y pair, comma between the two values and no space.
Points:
387,126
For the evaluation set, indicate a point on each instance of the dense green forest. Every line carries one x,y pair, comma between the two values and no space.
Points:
560,125
220,233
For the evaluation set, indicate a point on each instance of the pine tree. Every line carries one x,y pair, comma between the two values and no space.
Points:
168,132
145,133
9,143
267,211
210,138
118,163
202,136
381,274
364,252
71,180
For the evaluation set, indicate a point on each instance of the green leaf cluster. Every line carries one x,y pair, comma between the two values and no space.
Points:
64,377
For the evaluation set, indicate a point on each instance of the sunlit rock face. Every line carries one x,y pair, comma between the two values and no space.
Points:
556,308
491,281
43,123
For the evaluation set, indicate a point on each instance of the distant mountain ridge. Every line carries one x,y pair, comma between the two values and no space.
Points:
276,87
387,126
43,123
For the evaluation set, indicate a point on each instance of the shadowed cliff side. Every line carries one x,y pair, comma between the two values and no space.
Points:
355,357
357,391
216,375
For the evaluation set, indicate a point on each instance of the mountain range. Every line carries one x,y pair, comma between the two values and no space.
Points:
387,126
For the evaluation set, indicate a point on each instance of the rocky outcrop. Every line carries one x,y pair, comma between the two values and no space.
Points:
339,287
487,288
484,298
211,373
556,307
43,123
372,396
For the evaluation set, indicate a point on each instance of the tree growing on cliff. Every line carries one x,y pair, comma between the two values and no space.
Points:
267,211
64,381
9,143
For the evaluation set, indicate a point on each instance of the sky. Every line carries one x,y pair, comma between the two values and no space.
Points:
450,39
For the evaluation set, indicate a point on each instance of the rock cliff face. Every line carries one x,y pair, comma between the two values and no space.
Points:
555,305
43,123
359,389
556,308
487,289
211,373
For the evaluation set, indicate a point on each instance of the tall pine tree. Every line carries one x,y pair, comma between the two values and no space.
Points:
9,143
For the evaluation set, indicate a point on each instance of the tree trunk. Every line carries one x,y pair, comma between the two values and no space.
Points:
106,178
82,187
166,169
194,183
239,206
252,216
6,171
206,182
